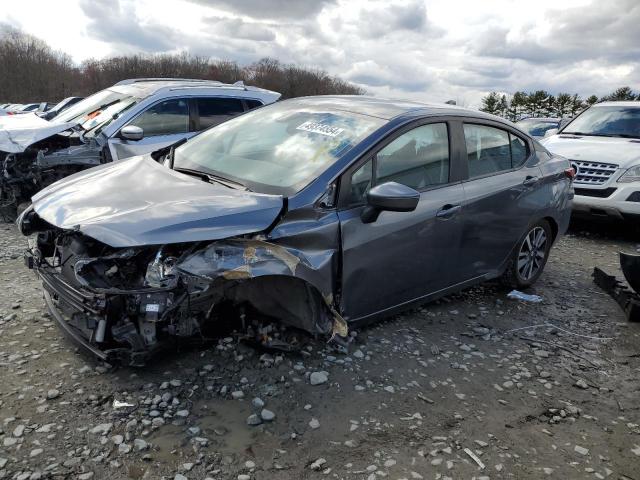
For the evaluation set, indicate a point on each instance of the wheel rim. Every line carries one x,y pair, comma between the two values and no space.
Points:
532,252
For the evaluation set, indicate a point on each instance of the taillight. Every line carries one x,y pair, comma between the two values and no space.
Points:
570,172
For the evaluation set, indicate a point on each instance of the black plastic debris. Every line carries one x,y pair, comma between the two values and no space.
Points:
627,298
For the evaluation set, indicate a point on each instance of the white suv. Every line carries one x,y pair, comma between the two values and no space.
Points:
142,115
133,117
603,145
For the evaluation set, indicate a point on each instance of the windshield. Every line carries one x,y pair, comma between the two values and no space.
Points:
92,107
537,128
276,149
607,121
97,121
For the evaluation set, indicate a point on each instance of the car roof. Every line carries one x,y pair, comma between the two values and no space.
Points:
626,103
384,108
145,87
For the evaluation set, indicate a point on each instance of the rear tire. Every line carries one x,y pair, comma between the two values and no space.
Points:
530,256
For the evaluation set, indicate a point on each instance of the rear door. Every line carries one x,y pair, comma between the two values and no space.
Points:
401,256
163,123
502,196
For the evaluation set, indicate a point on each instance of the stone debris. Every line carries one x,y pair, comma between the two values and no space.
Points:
475,458
267,415
52,394
581,450
580,383
318,464
318,378
434,392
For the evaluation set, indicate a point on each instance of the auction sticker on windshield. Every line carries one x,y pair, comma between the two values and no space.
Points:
321,128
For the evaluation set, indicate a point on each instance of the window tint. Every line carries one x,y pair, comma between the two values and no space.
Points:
164,118
519,151
417,159
253,104
488,150
360,183
214,111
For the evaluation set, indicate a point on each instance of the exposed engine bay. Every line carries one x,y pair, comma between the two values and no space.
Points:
25,173
123,304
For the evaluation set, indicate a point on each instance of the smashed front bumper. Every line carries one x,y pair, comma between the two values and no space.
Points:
127,326
88,317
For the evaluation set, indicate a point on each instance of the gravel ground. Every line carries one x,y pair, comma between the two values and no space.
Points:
474,386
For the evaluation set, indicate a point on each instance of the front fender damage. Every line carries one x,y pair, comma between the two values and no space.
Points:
38,165
273,278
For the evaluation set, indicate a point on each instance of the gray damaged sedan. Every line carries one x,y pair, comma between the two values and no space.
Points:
319,212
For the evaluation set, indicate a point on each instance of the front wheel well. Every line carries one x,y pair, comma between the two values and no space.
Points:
554,227
290,300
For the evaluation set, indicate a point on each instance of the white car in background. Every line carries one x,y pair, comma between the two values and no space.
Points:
603,146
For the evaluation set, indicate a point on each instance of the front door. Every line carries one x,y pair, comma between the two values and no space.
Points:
163,124
401,256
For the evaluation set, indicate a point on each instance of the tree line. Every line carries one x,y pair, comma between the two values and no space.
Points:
31,71
543,104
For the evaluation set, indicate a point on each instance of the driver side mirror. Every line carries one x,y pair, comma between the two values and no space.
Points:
131,132
551,131
390,196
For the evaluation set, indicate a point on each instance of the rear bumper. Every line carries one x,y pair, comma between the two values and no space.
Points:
622,203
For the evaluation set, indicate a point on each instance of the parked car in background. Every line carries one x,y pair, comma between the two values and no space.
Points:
130,118
318,212
603,145
32,107
14,107
60,107
538,127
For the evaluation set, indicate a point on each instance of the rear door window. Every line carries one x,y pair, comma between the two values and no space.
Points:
492,150
214,111
519,151
251,104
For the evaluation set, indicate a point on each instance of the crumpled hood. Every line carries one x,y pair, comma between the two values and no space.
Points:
17,132
137,202
624,152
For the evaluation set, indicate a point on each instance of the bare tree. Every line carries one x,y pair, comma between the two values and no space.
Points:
32,71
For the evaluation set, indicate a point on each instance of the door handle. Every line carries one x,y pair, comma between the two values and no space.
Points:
448,211
530,181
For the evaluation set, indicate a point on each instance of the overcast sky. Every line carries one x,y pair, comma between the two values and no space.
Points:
432,50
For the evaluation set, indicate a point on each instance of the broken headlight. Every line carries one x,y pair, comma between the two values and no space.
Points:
161,271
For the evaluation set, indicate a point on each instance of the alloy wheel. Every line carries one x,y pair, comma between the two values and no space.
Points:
532,253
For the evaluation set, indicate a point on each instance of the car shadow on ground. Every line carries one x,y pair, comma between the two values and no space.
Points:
605,228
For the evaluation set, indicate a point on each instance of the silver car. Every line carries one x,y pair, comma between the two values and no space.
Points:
133,117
